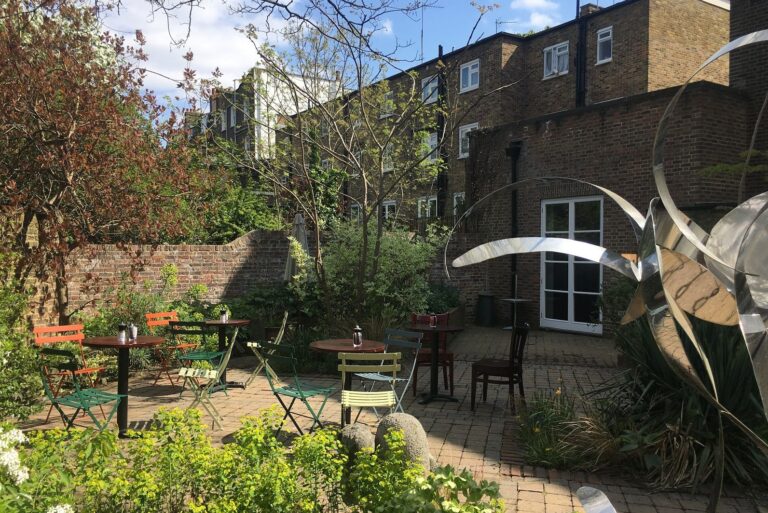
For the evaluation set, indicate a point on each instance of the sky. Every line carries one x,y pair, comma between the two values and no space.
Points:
216,43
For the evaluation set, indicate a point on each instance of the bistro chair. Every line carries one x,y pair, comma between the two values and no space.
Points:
193,332
205,382
282,357
444,357
408,344
256,348
168,353
386,364
500,371
70,334
81,399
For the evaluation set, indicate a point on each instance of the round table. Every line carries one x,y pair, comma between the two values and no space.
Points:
123,362
433,394
344,345
222,329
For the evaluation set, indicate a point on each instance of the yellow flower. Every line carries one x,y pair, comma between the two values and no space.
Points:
536,429
558,391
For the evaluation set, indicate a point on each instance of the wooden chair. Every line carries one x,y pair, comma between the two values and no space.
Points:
445,358
80,399
369,364
500,371
46,336
167,353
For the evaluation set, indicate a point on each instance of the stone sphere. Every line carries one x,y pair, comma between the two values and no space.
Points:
355,437
416,445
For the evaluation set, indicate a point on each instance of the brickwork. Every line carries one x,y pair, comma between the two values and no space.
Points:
682,35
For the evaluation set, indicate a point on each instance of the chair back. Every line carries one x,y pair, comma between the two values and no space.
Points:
155,319
186,329
283,357
386,363
60,360
46,336
408,343
281,333
517,345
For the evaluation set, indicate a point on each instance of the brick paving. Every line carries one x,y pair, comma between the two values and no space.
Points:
483,441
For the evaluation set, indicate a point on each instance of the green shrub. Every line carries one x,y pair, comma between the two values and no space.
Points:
442,297
545,427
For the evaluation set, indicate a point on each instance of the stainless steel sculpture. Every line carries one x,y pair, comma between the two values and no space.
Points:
721,277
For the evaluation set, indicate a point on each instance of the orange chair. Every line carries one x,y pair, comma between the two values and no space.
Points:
424,358
165,355
49,335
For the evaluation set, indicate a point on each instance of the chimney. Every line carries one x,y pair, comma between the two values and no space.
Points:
588,9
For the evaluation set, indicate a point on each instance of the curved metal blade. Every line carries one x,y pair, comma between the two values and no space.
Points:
594,501
576,248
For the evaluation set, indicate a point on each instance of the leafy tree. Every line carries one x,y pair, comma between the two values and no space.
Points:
85,155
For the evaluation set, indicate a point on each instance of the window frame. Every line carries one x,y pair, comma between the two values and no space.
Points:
554,49
469,87
428,201
232,114
388,105
223,119
387,160
433,83
354,212
385,209
433,154
598,35
457,195
464,129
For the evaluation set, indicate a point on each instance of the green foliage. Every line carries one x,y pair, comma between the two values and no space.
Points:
442,297
236,210
174,468
545,427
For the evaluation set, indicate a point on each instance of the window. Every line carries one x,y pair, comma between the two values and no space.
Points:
232,113
464,139
458,205
427,207
388,106
223,116
204,124
324,131
605,45
429,89
432,144
556,60
470,76
354,213
386,159
390,209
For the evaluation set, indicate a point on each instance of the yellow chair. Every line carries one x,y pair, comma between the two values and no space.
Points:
351,363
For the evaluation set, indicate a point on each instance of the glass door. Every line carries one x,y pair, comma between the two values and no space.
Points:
570,286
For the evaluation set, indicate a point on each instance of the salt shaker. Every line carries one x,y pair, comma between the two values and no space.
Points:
357,337
121,335
134,332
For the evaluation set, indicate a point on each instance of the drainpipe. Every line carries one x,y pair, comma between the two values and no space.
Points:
513,152
581,62
442,175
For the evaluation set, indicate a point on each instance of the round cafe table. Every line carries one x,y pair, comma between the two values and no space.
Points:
344,345
222,327
123,362
434,365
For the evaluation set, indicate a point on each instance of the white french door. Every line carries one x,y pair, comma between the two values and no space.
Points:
570,286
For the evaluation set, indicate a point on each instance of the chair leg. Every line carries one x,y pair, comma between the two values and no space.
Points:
485,387
450,373
474,389
512,395
415,378
444,365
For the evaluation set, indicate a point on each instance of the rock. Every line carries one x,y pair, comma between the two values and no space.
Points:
416,445
355,437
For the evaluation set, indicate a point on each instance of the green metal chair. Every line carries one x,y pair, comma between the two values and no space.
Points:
256,347
81,399
198,332
205,382
386,364
282,357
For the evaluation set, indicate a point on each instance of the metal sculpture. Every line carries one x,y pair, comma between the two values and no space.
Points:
721,277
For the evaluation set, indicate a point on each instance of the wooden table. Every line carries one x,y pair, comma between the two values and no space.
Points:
433,394
222,328
344,345
123,362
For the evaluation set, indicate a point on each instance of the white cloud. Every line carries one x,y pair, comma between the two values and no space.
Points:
387,27
533,4
540,20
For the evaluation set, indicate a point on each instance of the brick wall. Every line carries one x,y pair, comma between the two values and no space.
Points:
610,145
682,35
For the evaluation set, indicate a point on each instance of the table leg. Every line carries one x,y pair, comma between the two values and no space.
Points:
223,347
123,362
434,368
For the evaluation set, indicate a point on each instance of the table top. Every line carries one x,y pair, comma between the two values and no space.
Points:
230,322
111,342
344,345
426,328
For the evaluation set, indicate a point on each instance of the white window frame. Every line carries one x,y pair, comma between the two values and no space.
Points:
388,105
204,123
354,212
387,162
232,116
463,131
458,198
430,202
386,205
603,35
429,89
433,153
223,116
556,51
568,325
469,86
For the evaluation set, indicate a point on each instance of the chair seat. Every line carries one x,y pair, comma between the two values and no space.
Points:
375,376
80,372
87,398
493,364
305,391
199,356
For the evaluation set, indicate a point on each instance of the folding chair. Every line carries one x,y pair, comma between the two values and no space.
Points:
408,343
70,333
195,330
256,348
282,357
81,399
204,382
368,364
169,352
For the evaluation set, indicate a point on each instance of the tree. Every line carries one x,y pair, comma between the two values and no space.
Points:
346,134
85,155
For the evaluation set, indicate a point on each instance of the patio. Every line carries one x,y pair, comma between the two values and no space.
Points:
483,441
